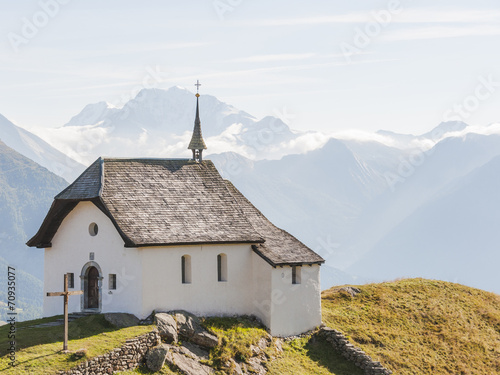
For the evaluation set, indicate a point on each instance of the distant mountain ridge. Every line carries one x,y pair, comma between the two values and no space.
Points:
33,147
26,193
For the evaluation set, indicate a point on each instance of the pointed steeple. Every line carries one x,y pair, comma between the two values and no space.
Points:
197,143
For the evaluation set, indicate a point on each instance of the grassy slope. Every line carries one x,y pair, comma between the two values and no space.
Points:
39,349
417,326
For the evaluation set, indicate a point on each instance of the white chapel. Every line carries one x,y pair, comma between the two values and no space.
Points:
137,235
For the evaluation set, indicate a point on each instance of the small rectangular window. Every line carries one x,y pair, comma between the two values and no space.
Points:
222,267
112,281
296,277
186,269
71,280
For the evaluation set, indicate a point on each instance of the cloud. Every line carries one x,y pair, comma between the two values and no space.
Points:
343,18
276,57
448,16
493,129
436,32
404,15
78,142
398,141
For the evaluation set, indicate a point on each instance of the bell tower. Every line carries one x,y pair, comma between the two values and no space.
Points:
197,144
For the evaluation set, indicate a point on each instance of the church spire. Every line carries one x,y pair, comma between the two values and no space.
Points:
197,143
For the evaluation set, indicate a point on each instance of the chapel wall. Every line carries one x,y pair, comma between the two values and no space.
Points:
70,251
262,298
163,289
296,308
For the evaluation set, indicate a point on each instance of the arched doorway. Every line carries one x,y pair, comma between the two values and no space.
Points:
92,288
91,278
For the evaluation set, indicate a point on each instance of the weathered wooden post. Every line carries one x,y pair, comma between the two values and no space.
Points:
66,295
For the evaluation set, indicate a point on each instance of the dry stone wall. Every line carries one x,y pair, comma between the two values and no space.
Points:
127,357
353,353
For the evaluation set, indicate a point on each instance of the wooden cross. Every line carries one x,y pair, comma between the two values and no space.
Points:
197,84
66,295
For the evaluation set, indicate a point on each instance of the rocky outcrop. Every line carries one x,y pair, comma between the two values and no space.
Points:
156,356
121,320
188,358
351,290
184,324
187,362
167,327
353,353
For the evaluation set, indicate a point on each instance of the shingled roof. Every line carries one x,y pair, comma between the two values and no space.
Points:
280,247
155,202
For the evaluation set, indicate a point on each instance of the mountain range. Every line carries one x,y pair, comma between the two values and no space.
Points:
35,148
376,207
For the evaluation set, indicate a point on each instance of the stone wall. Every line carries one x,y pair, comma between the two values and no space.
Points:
352,353
129,356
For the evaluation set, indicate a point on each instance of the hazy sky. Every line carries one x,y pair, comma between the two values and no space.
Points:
329,65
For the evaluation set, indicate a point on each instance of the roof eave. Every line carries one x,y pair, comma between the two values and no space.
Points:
38,240
281,264
152,244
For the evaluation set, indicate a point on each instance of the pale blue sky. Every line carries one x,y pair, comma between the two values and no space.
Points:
265,57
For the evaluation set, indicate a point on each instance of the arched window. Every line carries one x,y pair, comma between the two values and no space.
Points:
222,267
186,269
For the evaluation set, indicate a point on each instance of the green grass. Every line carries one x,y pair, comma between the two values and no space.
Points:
39,350
235,337
417,326
304,356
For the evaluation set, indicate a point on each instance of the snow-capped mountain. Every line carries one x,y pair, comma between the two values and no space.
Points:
33,147
158,123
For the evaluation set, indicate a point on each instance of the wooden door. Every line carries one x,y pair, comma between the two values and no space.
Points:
93,288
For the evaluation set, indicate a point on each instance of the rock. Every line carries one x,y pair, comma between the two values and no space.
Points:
278,346
256,365
186,365
255,350
205,339
156,357
167,327
264,342
121,320
352,291
235,367
193,351
188,326
186,323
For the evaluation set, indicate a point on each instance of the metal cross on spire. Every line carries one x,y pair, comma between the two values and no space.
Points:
197,84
